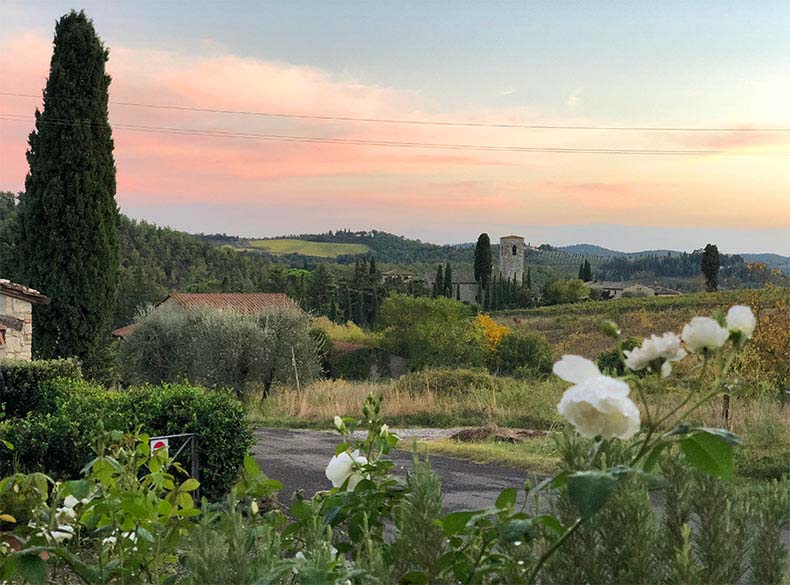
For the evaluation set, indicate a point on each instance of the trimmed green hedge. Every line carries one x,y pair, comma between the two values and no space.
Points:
24,388
58,441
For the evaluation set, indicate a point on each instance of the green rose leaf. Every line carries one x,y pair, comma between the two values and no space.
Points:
709,452
590,490
516,530
507,499
32,568
456,522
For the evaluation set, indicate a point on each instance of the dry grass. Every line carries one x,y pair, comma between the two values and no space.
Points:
514,403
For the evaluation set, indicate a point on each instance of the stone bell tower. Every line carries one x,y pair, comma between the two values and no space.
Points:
511,258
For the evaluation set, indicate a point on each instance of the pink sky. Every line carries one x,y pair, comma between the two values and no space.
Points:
403,190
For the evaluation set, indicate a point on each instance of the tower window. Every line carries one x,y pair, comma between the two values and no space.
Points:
514,249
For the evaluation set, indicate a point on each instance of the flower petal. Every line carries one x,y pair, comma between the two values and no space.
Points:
575,369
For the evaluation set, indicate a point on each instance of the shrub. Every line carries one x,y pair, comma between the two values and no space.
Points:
24,386
59,443
348,331
526,353
493,331
221,349
448,382
432,332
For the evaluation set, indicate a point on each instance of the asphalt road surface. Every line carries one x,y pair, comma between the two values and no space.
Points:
298,458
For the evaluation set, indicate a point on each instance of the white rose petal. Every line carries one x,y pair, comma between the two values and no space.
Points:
385,430
64,532
70,501
704,333
338,423
575,369
66,514
666,348
341,468
740,319
110,540
600,406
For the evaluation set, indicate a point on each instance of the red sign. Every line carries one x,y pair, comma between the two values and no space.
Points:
157,444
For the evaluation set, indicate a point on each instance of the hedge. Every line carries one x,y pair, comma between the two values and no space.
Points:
24,388
58,441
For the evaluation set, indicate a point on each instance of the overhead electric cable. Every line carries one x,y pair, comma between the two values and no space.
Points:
363,142
328,118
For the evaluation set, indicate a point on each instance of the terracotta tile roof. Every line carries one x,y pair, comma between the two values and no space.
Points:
20,291
124,331
242,302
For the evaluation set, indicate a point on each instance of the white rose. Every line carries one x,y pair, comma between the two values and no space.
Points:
704,333
665,348
338,423
385,430
740,319
341,468
110,541
70,501
597,405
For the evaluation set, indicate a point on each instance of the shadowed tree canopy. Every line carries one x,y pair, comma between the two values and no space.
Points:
710,267
68,238
483,261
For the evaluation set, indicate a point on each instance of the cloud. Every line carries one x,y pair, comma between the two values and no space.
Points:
305,183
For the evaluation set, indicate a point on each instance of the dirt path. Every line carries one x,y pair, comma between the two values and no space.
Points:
298,459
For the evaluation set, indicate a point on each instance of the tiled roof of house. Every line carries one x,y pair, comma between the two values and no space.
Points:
20,291
242,302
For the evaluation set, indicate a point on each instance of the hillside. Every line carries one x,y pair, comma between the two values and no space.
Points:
284,246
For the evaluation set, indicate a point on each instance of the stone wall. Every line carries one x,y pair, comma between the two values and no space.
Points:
16,316
511,258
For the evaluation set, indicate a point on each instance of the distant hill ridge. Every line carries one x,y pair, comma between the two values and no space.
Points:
388,247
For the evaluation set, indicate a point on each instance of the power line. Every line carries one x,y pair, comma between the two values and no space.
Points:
414,122
361,142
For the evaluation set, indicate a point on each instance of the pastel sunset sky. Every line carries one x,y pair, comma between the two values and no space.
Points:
698,64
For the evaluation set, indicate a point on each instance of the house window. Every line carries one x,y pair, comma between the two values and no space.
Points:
514,249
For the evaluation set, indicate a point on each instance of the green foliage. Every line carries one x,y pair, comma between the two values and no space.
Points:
560,292
220,349
483,260
431,332
444,382
26,387
68,246
59,442
611,362
710,267
526,353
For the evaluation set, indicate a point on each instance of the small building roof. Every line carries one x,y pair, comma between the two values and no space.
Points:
511,238
248,303
20,291
241,302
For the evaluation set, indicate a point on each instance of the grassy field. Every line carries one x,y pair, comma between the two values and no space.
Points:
574,328
284,246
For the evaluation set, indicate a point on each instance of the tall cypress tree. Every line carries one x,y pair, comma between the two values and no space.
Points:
483,260
438,290
529,278
710,267
448,281
68,216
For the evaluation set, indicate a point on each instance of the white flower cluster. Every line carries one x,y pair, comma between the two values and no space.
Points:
599,406
65,516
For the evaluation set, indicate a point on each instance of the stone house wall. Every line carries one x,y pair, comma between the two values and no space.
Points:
16,315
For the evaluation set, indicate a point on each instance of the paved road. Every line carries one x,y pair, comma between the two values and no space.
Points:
298,458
